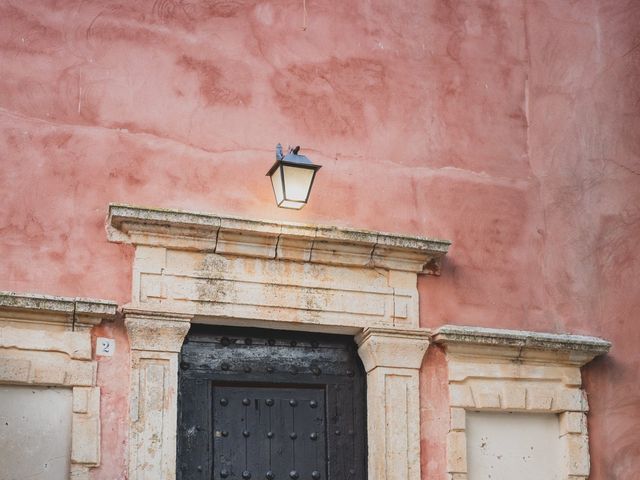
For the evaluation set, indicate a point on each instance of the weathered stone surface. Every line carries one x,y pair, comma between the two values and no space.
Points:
540,399
458,419
486,397
149,331
81,399
510,371
522,345
461,396
514,396
85,430
155,342
573,422
456,452
392,359
238,236
14,370
45,341
75,344
576,455
396,348
263,289
45,368
79,472
56,309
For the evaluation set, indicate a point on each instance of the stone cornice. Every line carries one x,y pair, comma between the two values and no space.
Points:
523,346
54,309
286,241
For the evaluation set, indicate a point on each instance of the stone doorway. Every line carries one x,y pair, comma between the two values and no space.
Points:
270,404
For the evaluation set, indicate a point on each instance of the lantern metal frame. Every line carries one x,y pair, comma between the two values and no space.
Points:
292,159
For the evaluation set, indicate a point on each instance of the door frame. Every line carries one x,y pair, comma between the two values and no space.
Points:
201,268
391,358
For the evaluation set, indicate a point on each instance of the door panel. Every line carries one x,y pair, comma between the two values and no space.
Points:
264,404
262,429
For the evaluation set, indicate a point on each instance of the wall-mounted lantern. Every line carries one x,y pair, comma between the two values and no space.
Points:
292,178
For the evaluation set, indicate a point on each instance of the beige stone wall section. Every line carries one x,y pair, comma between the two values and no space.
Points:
272,290
392,360
250,270
45,341
155,344
509,371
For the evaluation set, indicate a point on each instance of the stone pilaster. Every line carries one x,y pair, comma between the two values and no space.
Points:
392,360
155,340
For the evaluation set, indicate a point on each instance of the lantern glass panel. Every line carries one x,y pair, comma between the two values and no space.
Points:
276,182
297,183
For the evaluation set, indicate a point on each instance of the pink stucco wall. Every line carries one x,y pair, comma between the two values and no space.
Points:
511,127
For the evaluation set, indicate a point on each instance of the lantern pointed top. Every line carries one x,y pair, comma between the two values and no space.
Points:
293,157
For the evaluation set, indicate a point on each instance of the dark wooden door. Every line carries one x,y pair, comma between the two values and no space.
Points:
268,404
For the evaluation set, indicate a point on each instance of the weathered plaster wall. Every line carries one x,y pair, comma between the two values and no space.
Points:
510,127
113,377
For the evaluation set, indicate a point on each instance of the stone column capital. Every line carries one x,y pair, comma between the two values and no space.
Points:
392,348
159,332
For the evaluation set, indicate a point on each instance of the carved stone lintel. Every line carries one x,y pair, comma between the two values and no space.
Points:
262,239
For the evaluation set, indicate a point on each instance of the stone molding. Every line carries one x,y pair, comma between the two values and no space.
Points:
43,309
267,290
392,359
248,270
516,371
45,341
214,269
521,345
156,339
285,241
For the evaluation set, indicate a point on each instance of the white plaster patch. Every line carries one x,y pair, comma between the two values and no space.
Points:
35,432
513,445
